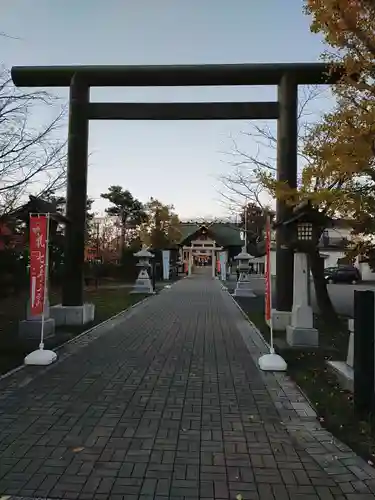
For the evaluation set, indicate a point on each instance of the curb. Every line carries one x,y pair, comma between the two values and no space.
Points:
268,346
77,337
103,323
247,318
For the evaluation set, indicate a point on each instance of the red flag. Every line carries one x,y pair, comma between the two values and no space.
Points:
267,273
38,255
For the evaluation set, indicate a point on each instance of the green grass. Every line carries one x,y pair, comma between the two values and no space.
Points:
308,368
108,302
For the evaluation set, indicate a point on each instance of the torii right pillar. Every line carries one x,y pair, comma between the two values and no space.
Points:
287,141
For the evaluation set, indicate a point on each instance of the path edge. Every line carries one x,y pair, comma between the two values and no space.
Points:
102,324
334,456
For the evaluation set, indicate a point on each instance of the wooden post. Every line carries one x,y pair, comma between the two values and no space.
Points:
363,351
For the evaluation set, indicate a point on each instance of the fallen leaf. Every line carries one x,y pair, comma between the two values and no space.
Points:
78,449
239,496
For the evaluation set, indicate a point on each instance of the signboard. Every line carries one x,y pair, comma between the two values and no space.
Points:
267,273
38,258
166,257
223,265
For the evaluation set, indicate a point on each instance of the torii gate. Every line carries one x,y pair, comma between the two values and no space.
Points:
287,77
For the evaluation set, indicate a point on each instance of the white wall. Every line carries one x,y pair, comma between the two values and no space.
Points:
273,262
341,232
332,257
329,261
366,272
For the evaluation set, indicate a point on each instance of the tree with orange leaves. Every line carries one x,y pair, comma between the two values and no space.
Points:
339,151
348,27
338,175
344,164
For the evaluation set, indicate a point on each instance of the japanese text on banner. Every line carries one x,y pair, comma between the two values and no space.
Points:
38,254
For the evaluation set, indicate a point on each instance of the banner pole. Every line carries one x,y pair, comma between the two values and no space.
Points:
46,271
271,362
42,356
272,349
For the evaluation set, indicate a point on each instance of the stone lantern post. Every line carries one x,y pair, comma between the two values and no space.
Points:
243,288
304,225
143,282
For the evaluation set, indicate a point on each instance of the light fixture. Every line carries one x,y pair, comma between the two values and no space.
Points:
304,231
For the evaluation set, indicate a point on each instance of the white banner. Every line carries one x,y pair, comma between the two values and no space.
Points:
223,265
166,254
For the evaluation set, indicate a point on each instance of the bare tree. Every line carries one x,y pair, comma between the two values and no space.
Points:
31,158
242,183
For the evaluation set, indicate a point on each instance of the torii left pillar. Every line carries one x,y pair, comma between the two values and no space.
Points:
287,139
73,310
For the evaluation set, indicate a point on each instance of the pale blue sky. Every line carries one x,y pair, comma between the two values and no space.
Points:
177,162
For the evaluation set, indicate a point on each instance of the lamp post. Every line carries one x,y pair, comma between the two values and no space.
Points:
305,223
243,286
143,283
304,232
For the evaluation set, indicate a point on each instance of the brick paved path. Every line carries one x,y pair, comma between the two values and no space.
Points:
167,402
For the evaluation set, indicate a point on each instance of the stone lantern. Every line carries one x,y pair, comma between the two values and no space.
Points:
305,225
143,283
243,288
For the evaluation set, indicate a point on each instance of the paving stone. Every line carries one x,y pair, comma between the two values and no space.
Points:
169,403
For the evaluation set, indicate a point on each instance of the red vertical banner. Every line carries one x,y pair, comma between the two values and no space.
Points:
38,256
267,273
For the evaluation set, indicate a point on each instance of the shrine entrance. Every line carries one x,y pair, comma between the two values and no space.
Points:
286,76
202,260
201,257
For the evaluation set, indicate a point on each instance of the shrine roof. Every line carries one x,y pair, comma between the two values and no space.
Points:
226,234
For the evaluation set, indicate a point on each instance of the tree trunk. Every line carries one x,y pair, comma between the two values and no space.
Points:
122,239
124,220
321,292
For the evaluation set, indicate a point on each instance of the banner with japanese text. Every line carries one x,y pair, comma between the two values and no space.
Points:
267,273
38,256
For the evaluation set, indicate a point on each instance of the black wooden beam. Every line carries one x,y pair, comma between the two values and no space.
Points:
184,111
180,75
76,194
287,142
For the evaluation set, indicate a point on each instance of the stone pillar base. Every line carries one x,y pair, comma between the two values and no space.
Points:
32,329
297,336
143,285
243,289
242,292
344,374
280,319
73,315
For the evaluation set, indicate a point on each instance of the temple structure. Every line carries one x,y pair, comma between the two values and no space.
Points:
201,244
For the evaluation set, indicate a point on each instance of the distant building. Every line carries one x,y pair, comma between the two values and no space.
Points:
9,239
202,242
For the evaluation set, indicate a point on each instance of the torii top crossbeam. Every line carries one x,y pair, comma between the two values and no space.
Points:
179,75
